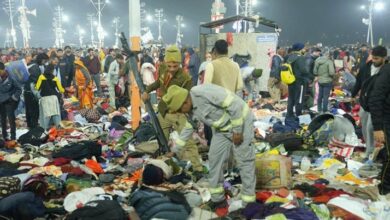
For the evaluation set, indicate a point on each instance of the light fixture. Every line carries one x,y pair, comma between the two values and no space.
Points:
379,6
65,18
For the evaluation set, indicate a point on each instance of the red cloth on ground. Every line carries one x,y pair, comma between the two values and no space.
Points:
328,194
283,192
263,196
59,161
221,212
76,171
94,166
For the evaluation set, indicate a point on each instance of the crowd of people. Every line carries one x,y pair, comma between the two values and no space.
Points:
188,91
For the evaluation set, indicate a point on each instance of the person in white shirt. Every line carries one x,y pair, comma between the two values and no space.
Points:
147,73
113,77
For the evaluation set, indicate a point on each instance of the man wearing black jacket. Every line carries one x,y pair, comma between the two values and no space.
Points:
297,89
274,81
109,59
379,104
30,99
310,89
69,59
10,91
65,69
379,54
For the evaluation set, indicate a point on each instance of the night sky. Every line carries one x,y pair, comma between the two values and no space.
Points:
331,22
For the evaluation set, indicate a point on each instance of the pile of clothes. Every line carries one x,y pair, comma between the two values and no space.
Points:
96,166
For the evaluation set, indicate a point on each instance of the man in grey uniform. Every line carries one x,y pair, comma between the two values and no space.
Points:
232,123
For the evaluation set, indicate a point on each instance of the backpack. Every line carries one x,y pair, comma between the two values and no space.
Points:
37,185
290,141
145,132
91,115
287,74
8,186
79,150
23,205
35,136
151,204
99,210
367,88
320,130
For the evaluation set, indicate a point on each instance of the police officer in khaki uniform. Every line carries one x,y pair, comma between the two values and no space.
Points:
171,74
232,123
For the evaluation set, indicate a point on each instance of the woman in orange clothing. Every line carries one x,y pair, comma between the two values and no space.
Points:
83,85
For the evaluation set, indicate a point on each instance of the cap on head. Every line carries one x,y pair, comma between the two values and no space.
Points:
175,98
172,54
298,47
316,49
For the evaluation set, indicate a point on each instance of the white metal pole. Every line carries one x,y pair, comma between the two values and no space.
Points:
91,23
238,13
179,20
159,15
11,12
100,34
135,23
116,23
371,23
246,15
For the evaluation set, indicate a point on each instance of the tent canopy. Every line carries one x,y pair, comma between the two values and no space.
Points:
235,18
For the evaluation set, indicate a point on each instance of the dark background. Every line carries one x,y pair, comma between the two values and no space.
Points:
331,22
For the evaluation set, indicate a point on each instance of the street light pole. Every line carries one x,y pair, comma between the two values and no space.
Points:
159,15
91,19
7,42
99,6
25,23
57,25
116,23
80,32
179,35
369,31
10,10
372,7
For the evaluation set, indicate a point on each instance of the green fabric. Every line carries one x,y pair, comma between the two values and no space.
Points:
276,217
176,169
257,73
120,145
175,98
127,67
173,54
180,79
324,69
321,211
80,183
